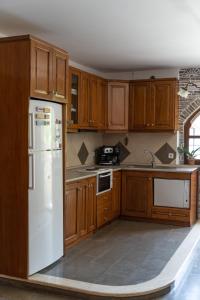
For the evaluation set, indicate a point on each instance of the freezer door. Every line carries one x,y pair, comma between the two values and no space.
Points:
45,125
45,209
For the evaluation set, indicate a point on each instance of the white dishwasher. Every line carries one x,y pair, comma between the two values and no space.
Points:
171,192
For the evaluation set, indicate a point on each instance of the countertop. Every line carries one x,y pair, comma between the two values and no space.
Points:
79,173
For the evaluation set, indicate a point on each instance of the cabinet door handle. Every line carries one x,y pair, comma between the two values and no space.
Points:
148,124
106,208
152,124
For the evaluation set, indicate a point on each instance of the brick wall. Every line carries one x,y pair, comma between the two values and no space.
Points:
188,106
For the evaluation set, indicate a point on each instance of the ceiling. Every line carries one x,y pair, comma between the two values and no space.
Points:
112,35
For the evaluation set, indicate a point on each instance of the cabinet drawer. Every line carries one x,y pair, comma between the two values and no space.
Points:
104,209
171,214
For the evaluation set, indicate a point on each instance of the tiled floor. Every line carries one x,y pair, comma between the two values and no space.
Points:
188,290
121,253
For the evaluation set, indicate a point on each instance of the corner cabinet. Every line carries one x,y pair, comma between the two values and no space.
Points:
153,105
74,96
118,98
116,194
136,194
138,197
49,69
87,101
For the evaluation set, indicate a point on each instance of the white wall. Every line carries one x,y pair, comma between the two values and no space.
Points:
145,74
158,73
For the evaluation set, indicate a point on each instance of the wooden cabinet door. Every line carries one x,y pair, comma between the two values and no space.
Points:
140,109
93,102
41,70
116,194
70,214
102,94
118,95
84,101
82,207
104,208
74,98
91,205
60,71
163,97
135,195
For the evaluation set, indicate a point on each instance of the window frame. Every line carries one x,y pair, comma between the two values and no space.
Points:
187,135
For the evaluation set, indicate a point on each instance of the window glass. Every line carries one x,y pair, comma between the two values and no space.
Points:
193,145
195,127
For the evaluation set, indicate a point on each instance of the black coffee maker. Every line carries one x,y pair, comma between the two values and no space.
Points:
107,155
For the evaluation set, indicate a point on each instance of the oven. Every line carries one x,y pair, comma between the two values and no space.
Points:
104,181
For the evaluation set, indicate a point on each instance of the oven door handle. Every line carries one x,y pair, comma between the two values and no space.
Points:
103,176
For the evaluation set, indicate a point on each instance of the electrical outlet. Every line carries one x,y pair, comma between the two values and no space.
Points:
171,155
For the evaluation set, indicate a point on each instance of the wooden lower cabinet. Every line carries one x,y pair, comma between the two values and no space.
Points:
136,193
71,233
104,208
91,205
137,197
82,207
79,210
116,194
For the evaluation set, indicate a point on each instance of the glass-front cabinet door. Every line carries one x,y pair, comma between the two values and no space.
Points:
74,98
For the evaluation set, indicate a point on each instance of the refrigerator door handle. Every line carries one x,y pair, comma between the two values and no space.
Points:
30,130
31,172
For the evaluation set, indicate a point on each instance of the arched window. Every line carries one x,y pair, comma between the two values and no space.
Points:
192,134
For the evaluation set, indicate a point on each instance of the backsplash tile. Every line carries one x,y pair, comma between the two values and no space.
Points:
163,154
124,152
92,140
83,154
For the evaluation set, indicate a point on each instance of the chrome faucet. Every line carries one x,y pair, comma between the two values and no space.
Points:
153,162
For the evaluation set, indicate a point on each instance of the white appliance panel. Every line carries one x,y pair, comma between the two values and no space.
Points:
171,193
45,125
45,209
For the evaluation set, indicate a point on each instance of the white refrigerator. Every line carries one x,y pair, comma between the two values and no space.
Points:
45,184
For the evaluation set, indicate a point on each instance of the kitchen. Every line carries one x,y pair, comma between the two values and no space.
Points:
99,157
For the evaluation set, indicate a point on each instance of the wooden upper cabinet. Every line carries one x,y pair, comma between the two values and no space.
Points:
74,98
139,106
153,105
41,70
60,70
102,95
84,103
164,97
49,67
118,95
93,102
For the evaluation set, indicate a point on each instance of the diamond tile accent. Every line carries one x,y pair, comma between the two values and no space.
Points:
163,152
83,154
123,151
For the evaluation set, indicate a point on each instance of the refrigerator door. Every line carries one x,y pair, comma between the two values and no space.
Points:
45,209
45,125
